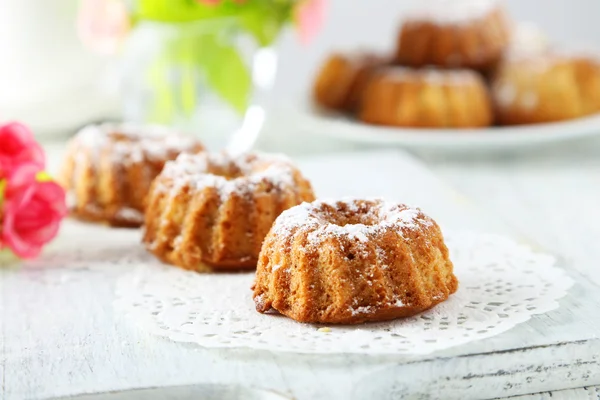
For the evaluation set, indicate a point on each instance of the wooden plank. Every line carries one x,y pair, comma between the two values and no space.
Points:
589,393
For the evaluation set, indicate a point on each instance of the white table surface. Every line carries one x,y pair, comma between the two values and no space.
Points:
549,199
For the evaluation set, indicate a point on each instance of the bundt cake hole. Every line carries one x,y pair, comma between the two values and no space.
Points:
120,137
228,174
343,216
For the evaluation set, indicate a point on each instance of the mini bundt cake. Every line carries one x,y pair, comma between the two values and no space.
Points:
426,98
352,261
211,212
342,78
108,169
547,88
454,33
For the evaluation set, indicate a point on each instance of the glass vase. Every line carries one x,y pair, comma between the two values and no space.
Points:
206,77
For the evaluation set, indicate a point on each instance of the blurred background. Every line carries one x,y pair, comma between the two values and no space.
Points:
51,81
353,23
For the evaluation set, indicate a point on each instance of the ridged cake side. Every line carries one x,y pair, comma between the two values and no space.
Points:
354,261
546,88
426,98
108,169
212,212
342,79
463,34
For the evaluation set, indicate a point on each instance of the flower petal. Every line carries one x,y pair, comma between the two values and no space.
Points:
18,146
103,25
15,136
38,232
18,246
310,15
32,213
22,175
54,195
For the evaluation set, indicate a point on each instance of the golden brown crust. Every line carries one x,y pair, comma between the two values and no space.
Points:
474,44
350,262
547,88
342,78
426,98
211,212
108,169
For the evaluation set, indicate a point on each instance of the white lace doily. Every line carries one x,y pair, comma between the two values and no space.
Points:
502,284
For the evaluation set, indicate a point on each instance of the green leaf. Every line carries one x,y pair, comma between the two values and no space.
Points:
193,54
225,71
261,18
200,49
163,111
7,258
266,19
192,10
174,10
188,89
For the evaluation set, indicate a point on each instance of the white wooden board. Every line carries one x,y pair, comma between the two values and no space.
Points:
62,338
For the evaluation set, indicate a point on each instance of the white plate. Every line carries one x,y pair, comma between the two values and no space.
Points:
494,138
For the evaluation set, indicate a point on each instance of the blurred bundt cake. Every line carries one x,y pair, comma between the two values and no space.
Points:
546,88
427,97
342,78
353,261
454,33
108,169
212,211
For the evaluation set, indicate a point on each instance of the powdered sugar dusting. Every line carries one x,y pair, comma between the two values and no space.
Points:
528,100
240,175
92,136
357,232
451,11
505,94
319,220
403,217
362,310
430,75
130,214
400,303
131,143
259,300
178,241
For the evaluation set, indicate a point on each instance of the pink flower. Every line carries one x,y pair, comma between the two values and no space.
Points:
103,25
18,146
31,212
309,15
